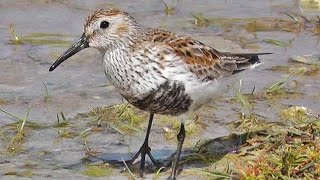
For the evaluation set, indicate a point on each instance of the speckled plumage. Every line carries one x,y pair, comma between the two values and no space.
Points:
144,63
156,70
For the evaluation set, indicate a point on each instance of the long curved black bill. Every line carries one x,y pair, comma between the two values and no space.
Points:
76,47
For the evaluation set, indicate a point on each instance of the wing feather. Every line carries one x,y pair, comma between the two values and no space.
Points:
204,61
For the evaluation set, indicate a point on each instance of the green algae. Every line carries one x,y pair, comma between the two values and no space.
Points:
26,173
97,171
244,100
168,9
123,118
312,70
210,174
16,141
66,133
277,88
310,4
3,102
38,38
126,119
249,24
200,20
286,149
46,96
276,42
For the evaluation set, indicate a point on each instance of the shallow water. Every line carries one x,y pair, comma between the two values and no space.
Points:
80,84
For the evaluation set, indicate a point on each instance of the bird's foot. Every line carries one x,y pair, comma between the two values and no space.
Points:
143,151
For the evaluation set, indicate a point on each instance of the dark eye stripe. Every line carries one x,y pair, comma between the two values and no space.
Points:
104,24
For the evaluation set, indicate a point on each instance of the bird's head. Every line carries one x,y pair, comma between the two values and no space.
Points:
104,29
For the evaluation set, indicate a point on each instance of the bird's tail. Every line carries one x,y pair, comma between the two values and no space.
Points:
245,60
253,58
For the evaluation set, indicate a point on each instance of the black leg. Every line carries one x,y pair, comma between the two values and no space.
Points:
181,135
145,149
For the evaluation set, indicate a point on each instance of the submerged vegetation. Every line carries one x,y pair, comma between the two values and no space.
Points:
289,148
97,170
284,149
14,144
168,9
289,22
38,38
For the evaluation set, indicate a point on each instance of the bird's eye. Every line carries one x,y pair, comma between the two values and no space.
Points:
104,24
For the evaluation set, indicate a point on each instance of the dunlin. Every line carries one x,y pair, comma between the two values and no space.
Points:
156,70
